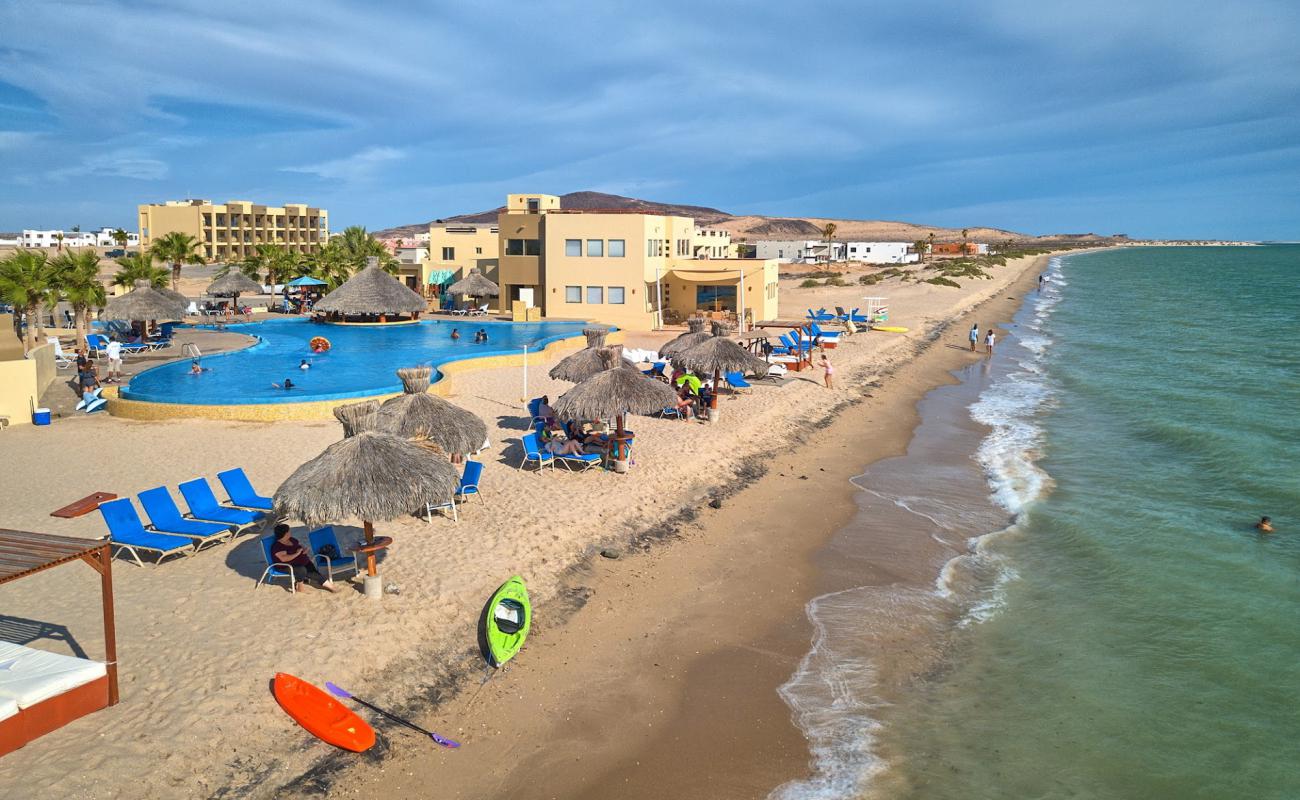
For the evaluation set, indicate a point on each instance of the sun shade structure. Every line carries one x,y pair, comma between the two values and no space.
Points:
718,355
143,304
306,280
423,417
370,475
233,285
614,392
371,293
692,337
579,366
475,284
356,417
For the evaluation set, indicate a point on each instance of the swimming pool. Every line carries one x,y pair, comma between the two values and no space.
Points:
361,362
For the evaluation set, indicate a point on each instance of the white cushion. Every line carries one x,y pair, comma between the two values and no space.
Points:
29,676
7,708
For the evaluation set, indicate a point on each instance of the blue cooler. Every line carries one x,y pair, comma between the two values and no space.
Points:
41,416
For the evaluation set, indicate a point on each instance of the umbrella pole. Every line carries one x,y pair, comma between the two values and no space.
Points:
374,587
370,557
713,401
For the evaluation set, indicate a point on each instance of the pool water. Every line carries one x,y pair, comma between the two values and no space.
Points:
362,361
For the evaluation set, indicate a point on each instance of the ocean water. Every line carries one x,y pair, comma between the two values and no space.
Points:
1112,624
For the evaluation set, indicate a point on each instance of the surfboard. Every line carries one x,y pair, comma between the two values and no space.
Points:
506,619
889,328
322,715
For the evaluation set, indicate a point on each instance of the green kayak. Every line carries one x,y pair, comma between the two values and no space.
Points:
506,619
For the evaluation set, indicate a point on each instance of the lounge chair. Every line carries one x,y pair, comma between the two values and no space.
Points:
533,452
481,311
657,371
203,505
469,480
61,358
166,517
582,463
127,533
91,402
737,381
460,312
323,537
241,492
857,318
820,315
827,337
274,569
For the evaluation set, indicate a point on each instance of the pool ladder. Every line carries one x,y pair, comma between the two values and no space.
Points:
190,350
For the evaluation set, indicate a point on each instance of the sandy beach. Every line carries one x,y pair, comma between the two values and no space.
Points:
647,675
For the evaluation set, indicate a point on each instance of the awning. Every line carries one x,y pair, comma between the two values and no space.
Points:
440,276
306,280
705,275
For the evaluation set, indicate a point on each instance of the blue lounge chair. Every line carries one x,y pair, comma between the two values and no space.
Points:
275,569
469,480
737,381
322,537
127,533
241,491
825,336
820,316
858,318
166,517
533,452
582,463
203,505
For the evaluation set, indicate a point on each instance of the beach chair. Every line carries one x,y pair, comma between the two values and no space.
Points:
241,491
323,537
203,505
841,315
533,452
827,337
91,402
61,358
737,381
166,517
274,569
95,344
481,311
127,533
820,315
582,463
469,480
857,318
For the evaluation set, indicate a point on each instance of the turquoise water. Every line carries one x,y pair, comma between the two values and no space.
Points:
1140,639
362,360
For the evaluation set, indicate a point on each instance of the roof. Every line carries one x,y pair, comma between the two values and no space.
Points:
23,553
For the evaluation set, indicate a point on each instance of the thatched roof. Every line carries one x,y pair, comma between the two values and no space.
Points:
579,366
475,284
371,476
613,392
356,417
719,354
143,304
233,283
372,291
174,295
687,340
424,417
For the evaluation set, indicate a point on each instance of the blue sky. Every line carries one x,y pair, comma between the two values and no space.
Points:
1150,118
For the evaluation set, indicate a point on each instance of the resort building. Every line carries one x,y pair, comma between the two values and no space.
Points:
629,269
231,231
52,238
456,248
712,243
810,251
881,252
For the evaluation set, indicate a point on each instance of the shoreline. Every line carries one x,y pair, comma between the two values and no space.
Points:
714,723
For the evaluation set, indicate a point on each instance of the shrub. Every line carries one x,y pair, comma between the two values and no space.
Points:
835,280
869,280
809,284
943,282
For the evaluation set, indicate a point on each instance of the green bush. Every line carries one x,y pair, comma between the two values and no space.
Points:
869,280
809,284
835,280
944,282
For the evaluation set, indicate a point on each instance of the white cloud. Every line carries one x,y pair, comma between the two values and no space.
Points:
357,167
122,163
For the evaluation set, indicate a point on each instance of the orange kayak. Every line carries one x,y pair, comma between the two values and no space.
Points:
322,715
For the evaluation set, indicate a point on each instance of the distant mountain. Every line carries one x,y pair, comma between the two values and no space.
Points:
752,228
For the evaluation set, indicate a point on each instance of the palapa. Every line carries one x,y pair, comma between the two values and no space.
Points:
423,417
579,366
356,417
233,284
143,304
614,393
475,284
371,292
693,336
719,354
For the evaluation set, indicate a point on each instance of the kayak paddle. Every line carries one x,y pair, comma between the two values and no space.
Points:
340,692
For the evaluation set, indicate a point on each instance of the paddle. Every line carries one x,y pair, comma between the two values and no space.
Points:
340,692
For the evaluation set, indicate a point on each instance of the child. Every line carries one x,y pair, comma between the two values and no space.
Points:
989,339
195,369
830,371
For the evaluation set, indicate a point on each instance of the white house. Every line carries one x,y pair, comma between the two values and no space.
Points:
100,238
881,252
807,251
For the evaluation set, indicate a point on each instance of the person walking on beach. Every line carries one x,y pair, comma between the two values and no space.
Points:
1041,281
989,340
830,372
974,335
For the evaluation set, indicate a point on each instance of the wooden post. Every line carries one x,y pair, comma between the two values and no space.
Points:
102,560
370,556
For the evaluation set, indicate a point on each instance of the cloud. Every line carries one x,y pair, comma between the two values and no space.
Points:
123,163
354,168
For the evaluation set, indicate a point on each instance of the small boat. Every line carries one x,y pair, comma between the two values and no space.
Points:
324,717
505,622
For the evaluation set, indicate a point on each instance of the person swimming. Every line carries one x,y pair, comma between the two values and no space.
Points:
195,369
455,334
1265,525
288,384
304,365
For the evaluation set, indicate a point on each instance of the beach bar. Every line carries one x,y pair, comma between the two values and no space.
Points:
42,691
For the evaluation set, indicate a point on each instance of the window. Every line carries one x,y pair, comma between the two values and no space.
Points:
595,247
573,247
617,248
616,295
478,251
573,294
448,254
649,247
595,295
534,205
522,247
532,247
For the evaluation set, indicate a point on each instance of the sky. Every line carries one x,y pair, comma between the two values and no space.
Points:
1144,117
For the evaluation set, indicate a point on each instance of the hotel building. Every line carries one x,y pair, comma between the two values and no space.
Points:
629,269
232,231
455,248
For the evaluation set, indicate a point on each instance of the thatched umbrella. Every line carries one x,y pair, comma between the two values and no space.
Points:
613,393
143,304
476,285
372,475
692,337
423,417
718,355
372,292
232,285
579,366
356,417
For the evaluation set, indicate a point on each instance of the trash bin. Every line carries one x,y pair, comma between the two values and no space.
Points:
41,416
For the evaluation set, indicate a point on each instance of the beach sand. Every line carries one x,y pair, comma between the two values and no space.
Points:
718,610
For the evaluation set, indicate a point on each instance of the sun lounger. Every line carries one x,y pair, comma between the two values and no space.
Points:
165,517
127,533
481,311
241,491
203,505
42,691
829,338
737,381
582,463
533,452
323,537
469,480
820,316
61,359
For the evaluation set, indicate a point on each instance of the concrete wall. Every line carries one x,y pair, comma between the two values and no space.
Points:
22,381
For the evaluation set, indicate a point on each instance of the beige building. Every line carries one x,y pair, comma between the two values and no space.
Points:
632,270
455,248
231,231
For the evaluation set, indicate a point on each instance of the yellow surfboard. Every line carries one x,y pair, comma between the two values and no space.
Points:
889,328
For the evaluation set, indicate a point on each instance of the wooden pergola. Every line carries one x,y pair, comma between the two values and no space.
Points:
23,553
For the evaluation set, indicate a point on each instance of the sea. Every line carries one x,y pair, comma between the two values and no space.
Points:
1105,621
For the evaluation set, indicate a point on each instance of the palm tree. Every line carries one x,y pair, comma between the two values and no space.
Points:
929,248
964,233
27,279
78,279
330,264
828,233
140,267
357,245
120,236
177,248
270,260
919,247
58,239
